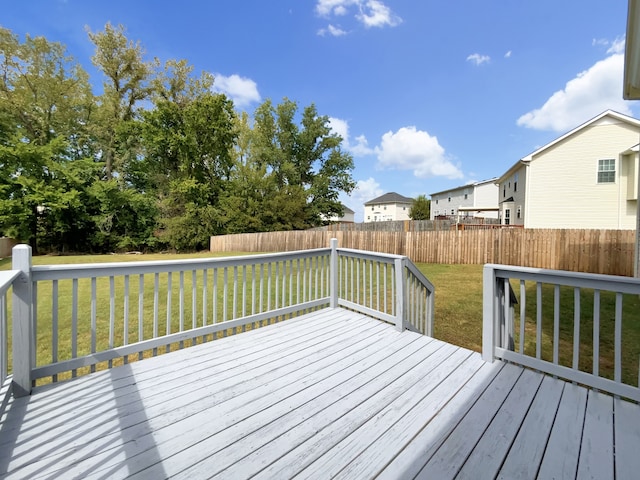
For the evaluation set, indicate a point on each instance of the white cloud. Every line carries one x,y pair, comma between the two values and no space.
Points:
370,13
341,127
508,54
374,13
478,59
243,91
591,92
325,8
617,46
333,31
365,190
415,150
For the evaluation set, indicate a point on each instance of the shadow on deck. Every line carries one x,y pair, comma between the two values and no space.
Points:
332,393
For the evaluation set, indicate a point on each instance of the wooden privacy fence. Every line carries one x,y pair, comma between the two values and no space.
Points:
595,251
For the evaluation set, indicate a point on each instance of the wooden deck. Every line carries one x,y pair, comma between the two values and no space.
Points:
330,394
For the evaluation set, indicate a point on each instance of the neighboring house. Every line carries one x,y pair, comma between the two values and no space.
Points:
388,207
348,217
478,199
586,178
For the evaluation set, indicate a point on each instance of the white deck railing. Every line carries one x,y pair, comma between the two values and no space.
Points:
88,316
6,282
578,326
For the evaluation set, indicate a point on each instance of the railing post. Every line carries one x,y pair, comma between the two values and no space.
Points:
333,274
488,313
401,288
23,340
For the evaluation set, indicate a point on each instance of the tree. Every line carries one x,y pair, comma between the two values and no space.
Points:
420,208
188,156
303,167
126,84
45,104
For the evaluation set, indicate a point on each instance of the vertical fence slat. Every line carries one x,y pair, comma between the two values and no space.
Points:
74,323
167,329
125,336
112,313
576,328
54,324
156,307
617,348
538,320
556,323
523,317
596,332
93,318
140,311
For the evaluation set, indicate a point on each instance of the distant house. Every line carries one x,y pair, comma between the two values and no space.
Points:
388,207
478,199
348,217
586,178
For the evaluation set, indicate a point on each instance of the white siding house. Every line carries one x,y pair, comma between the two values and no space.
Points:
478,199
348,217
388,207
586,178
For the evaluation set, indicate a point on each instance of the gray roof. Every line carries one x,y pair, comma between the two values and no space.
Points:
391,197
347,209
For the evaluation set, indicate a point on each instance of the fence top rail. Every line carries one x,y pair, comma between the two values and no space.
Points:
87,270
6,279
350,252
595,281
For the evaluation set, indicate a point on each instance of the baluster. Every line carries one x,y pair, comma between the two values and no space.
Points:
74,323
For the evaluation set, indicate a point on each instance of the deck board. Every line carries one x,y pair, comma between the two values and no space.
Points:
329,394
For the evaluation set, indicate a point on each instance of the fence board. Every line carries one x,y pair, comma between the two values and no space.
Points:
594,251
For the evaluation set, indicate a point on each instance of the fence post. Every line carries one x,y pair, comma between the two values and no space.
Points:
333,274
488,313
401,288
23,343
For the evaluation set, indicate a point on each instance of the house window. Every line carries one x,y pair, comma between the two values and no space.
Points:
507,216
385,207
504,190
519,211
453,212
515,182
449,198
607,170
368,217
466,194
436,201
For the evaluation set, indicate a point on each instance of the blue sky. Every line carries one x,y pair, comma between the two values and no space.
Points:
428,94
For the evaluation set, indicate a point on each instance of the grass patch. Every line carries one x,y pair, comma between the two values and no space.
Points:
458,312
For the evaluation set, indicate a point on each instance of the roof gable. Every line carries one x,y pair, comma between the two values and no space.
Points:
391,197
608,117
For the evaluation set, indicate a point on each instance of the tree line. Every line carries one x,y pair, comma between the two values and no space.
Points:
157,160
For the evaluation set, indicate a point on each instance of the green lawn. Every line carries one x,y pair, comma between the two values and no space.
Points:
458,312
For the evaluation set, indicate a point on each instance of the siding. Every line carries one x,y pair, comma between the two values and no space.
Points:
563,189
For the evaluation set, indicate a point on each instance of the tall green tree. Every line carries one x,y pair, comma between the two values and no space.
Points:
188,156
304,162
420,208
127,82
45,106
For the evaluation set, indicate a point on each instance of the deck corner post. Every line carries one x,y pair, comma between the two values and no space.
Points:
488,313
23,343
333,274
401,287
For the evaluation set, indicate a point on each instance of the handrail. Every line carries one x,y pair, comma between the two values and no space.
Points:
7,277
104,313
545,338
387,286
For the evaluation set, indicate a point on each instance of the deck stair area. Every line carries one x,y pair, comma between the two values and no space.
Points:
332,372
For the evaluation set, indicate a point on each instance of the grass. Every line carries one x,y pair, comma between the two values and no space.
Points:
458,313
